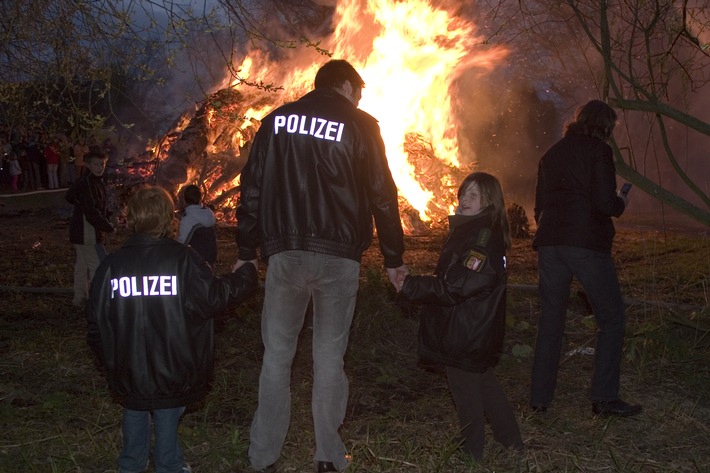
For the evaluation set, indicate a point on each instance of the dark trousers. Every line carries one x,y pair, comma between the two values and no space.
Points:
595,271
479,397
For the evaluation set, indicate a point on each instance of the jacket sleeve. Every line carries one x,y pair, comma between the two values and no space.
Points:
539,193
460,281
249,195
382,192
210,294
604,198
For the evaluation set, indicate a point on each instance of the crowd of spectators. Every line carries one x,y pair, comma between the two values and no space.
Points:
36,159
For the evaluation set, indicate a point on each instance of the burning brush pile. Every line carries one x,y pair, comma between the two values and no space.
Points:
210,147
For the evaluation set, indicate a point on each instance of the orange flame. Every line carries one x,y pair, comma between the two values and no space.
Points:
409,54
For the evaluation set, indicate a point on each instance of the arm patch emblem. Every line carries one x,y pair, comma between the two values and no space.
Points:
475,260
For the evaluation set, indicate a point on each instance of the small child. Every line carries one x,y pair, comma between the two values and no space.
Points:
197,225
14,170
463,318
150,324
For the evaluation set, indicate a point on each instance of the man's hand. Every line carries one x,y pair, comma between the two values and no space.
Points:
397,275
241,262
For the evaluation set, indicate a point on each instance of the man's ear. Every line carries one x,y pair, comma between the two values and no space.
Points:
347,87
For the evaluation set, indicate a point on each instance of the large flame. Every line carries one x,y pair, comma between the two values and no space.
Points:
409,54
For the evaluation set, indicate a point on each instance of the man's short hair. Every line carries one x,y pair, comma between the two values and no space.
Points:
151,210
335,72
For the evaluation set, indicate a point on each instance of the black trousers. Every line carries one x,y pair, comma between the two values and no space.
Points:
480,398
557,265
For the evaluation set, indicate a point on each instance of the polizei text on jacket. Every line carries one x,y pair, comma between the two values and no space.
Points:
314,126
140,286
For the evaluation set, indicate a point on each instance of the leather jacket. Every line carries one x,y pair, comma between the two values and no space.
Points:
462,322
316,176
150,320
575,196
90,218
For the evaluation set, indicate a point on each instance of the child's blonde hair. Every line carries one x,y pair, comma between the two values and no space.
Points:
151,210
491,198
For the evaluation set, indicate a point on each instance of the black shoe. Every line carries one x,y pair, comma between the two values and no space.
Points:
326,466
616,408
538,408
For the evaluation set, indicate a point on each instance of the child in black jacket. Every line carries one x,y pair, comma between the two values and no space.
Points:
150,324
463,318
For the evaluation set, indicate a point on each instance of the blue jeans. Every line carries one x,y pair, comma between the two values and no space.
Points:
292,279
167,453
596,273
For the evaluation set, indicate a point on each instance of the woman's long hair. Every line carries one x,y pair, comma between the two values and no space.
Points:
595,118
151,210
491,199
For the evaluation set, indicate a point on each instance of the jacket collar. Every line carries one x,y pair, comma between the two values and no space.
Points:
457,220
143,239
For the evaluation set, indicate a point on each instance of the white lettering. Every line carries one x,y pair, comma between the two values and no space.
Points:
153,287
124,287
332,126
316,127
165,286
279,122
321,124
137,286
134,289
292,123
302,129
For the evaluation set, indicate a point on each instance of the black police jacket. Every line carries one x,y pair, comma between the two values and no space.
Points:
462,320
150,320
316,176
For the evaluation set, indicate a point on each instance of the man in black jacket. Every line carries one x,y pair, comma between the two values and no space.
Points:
150,324
574,202
316,176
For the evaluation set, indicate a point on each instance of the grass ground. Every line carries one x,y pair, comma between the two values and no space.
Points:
56,415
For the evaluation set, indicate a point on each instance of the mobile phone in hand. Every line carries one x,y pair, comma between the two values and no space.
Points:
625,188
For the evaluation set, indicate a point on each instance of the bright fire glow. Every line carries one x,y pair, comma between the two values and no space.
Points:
409,53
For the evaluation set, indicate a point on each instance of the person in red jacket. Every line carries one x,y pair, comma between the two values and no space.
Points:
150,324
51,158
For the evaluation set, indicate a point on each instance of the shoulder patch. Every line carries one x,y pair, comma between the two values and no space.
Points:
474,261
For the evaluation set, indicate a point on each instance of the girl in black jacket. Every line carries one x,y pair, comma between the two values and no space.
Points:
463,318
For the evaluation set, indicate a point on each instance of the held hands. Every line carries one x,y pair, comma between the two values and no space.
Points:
397,275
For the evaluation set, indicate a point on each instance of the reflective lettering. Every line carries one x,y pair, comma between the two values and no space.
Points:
279,123
145,286
317,127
